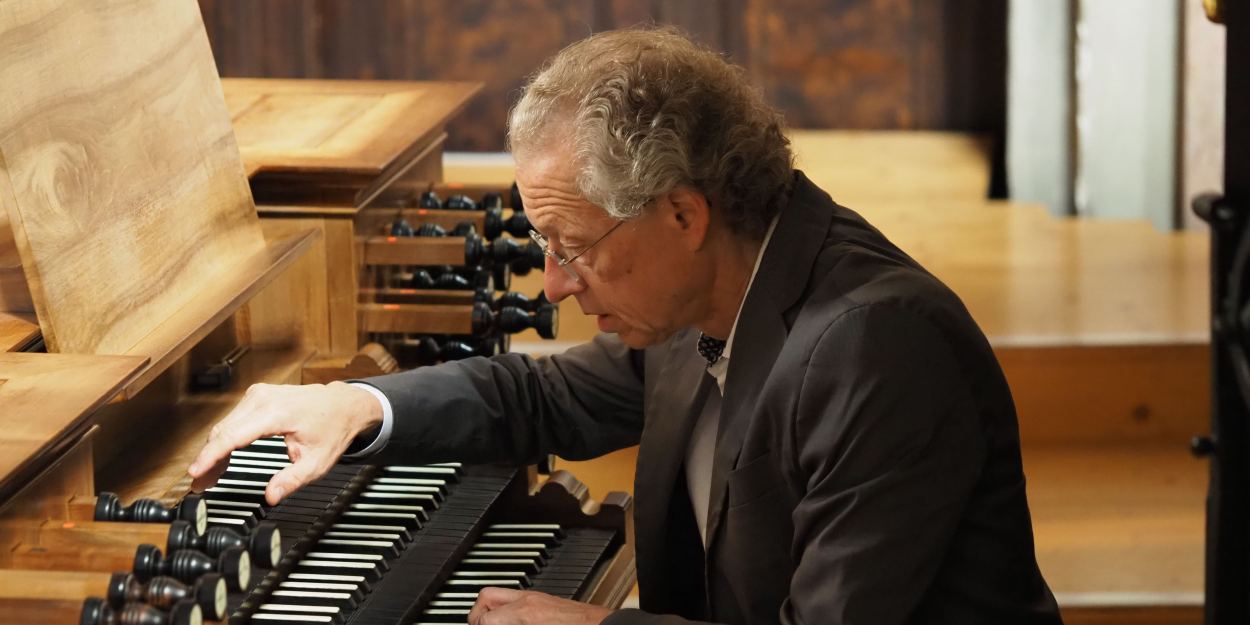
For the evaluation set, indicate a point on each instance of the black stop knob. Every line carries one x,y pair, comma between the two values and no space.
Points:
429,199
185,612
96,612
483,318
464,229
108,507
521,258
263,542
510,320
187,565
421,279
401,228
460,202
453,282
428,351
501,276
474,250
492,223
518,225
208,592
491,200
431,230
458,350
516,300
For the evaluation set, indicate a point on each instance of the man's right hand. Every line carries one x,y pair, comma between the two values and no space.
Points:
319,422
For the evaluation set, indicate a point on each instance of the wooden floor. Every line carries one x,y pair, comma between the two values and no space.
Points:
1101,328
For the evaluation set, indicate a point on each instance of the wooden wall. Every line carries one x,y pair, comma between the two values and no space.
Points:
864,64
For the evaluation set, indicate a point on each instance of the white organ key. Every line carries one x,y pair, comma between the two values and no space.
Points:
326,586
260,455
334,555
325,577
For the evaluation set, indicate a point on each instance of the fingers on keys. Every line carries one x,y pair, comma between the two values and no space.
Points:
246,423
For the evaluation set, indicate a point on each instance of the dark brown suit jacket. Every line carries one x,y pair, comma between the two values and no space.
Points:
867,469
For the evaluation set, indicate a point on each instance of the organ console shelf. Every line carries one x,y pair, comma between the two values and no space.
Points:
399,251
473,319
301,137
337,149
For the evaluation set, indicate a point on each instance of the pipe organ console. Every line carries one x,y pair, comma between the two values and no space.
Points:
97,524
376,197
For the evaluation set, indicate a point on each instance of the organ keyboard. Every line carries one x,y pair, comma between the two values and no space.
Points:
403,544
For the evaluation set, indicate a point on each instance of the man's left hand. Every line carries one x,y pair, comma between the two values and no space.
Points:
504,606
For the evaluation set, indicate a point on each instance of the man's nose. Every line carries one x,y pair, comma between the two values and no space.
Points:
557,283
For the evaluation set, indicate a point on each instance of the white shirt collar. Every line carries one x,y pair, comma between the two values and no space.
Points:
720,368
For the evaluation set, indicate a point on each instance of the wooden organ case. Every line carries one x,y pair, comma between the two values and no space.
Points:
129,233
357,161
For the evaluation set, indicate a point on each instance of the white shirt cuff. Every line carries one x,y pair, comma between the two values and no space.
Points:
388,422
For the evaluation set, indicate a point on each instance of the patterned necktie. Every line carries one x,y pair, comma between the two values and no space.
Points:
710,348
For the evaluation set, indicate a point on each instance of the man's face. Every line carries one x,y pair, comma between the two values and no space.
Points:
638,281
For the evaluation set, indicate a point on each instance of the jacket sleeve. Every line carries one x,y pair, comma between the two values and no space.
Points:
516,409
889,446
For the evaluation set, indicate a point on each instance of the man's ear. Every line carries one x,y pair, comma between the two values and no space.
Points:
690,215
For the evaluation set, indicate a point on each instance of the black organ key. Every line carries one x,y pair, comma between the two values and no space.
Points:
499,554
488,577
547,539
449,473
540,548
553,528
527,566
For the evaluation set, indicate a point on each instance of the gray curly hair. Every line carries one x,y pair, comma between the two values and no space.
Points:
646,111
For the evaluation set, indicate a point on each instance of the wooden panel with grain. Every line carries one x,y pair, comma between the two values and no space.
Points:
1119,530
361,127
119,170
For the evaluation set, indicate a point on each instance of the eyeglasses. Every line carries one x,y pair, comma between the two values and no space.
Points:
563,262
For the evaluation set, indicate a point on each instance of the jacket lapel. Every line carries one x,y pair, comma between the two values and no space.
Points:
672,409
761,331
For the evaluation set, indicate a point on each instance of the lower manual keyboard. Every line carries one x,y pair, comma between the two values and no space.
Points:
368,545
542,557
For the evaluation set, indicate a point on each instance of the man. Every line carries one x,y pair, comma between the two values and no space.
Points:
825,434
